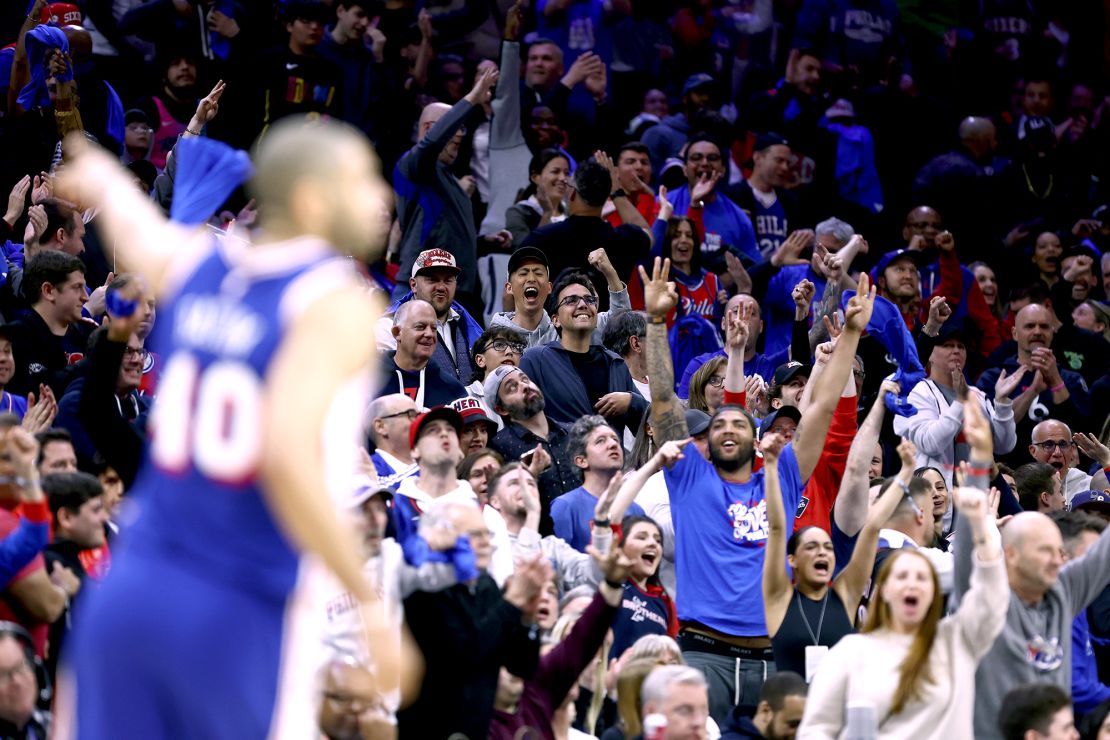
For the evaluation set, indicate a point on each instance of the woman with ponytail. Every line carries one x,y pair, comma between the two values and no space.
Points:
911,673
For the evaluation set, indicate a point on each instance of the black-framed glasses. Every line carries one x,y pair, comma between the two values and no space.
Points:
503,345
573,300
717,381
411,413
133,352
1051,444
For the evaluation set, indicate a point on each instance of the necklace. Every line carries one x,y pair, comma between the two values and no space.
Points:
1029,185
820,620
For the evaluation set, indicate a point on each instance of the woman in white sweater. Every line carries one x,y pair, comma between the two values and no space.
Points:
910,670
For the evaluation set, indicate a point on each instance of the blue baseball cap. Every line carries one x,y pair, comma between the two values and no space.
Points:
887,259
1094,501
693,82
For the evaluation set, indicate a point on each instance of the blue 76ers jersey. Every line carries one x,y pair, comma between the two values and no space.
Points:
199,497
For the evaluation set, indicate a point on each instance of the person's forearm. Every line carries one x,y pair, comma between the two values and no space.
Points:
1023,402
420,66
631,488
629,214
850,509
734,371
667,415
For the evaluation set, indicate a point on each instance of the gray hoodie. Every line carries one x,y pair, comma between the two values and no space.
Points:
545,333
1035,644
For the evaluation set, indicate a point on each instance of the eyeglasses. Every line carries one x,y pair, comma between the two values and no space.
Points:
717,381
410,413
573,300
503,345
699,157
130,353
1051,444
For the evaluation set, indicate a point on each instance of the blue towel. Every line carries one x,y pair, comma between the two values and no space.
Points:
40,41
208,171
889,328
115,125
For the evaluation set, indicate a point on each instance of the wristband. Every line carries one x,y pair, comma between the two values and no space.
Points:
610,584
618,193
1057,388
979,471
657,319
602,523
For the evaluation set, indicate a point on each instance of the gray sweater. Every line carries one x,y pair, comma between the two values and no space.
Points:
1035,645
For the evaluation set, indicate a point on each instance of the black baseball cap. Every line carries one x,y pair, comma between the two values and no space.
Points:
527,253
788,371
768,140
787,412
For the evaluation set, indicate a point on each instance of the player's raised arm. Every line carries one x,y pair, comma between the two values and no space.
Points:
137,234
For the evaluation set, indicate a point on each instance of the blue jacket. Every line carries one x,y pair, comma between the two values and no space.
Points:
1087,692
21,546
550,367
441,359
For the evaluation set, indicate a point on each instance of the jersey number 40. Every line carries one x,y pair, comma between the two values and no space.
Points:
209,418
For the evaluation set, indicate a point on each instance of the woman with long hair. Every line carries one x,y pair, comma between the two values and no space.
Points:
679,239
910,673
816,611
707,386
939,487
543,201
477,468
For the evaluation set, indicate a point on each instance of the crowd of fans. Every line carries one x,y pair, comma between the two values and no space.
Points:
745,370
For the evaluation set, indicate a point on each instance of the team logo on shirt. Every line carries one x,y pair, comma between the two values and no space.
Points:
641,612
1044,655
749,523
803,504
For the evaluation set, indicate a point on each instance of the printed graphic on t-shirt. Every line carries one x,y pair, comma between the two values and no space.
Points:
749,522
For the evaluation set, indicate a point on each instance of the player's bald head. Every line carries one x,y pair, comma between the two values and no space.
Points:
293,151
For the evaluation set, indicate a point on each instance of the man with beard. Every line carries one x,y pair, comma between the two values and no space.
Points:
434,279
1046,391
409,369
723,628
521,404
174,104
897,279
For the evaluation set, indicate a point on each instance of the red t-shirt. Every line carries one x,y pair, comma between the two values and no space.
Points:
9,522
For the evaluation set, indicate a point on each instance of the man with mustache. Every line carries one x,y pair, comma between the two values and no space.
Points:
1046,391
718,507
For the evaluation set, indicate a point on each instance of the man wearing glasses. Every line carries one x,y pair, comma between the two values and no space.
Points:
577,376
1052,443
725,226
390,419
497,346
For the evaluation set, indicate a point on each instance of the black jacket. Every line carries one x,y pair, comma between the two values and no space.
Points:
466,633
43,357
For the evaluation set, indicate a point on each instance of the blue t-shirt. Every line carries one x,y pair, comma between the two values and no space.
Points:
572,513
727,228
720,534
778,305
578,29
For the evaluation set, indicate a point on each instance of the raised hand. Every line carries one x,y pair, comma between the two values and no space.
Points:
584,66
43,188
771,446
222,24
607,497
861,305
597,82
946,241
424,23
833,326
539,461
660,295
614,564
803,296
40,413
208,106
1044,361
599,260
704,186
482,91
36,224
666,208
526,583
514,21
789,252
17,199
1007,384
671,452
607,162
977,429
907,453
20,445
959,382
972,503
890,386
1089,445
939,312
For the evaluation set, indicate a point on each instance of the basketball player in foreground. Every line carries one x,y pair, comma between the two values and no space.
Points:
191,634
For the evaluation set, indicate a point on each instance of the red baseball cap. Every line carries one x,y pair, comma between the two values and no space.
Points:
61,14
446,413
471,411
435,259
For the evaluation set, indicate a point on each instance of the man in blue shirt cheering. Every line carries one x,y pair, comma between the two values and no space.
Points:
718,508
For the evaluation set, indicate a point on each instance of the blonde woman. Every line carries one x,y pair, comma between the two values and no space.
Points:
910,673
